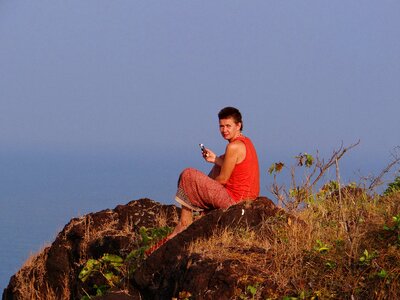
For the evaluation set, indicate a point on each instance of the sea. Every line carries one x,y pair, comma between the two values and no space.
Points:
40,191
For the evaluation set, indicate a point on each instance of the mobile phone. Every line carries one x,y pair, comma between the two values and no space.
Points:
203,149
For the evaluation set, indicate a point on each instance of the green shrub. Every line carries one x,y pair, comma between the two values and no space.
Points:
393,187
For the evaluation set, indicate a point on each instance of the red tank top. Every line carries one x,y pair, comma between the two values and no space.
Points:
244,183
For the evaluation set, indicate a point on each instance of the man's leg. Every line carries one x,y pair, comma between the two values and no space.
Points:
185,220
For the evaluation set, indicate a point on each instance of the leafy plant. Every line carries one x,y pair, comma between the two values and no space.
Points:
108,266
304,295
396,226
366,257
321,247
329,187
382,274
152,235
276,167
330,264
252,290
393,187
149,236
305,159
100,291
395,229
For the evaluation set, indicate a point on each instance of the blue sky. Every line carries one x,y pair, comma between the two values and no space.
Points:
137,78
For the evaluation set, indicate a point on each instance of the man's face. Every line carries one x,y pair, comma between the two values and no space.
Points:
229,129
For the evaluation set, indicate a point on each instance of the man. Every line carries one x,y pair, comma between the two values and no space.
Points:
235,176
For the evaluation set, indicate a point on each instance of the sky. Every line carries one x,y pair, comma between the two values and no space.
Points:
145,79
102,102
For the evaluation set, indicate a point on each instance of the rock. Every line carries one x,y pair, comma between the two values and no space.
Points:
53,273
171,271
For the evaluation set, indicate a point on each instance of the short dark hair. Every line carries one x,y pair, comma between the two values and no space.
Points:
231,112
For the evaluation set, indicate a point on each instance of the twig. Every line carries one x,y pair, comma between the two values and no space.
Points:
337,154
377,181
338,181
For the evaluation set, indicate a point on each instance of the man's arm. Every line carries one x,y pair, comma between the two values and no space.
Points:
234,154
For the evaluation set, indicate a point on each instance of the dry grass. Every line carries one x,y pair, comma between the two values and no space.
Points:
31,283
30,280
227,244
162,219
343,250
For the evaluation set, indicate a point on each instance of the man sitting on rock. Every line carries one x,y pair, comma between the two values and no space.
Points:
235,176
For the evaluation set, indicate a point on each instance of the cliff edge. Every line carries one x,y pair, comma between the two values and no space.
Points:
175,270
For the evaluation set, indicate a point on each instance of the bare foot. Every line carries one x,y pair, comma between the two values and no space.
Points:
185,220
178,229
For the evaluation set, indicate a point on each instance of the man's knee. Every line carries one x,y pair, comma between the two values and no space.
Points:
187,173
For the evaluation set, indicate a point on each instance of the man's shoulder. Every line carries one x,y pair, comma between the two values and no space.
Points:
236,145
236,142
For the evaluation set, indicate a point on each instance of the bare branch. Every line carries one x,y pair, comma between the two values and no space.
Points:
337,154
377,181
276,190
297,194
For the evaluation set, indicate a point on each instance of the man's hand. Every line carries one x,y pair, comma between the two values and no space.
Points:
211,157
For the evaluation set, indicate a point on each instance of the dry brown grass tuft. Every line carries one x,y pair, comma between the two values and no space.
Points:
342,251
162,219
30,282
228,244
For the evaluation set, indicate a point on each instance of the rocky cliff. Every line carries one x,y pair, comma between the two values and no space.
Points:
172,271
